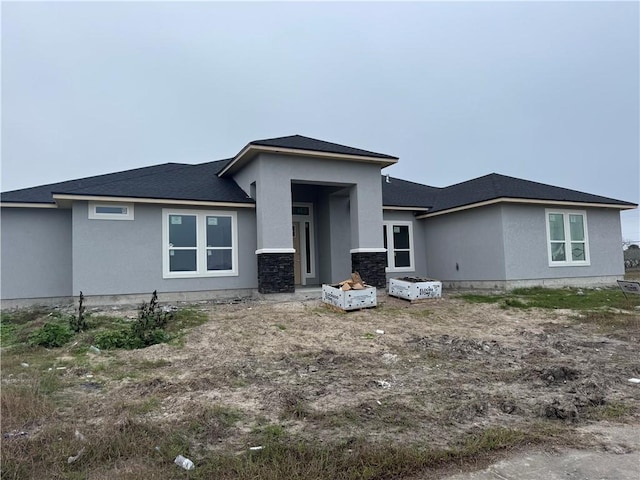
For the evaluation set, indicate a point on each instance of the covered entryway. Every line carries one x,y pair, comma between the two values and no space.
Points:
318,211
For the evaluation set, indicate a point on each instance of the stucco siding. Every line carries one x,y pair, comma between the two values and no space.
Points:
112,257
340,236
466,245
273,175
525,240
36,253
419,242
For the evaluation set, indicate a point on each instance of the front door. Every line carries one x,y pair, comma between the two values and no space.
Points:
296,255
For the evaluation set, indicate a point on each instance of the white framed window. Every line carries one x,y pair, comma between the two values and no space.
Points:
398,240
567,237
199,243
110,211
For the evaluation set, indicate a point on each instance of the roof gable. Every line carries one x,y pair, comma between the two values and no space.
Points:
299,142
305,147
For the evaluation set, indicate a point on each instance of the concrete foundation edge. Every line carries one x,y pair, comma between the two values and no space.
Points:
576,282
133,299
303,294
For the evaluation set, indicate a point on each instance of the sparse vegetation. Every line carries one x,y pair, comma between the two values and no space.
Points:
51,335
148,328
78,323
565,298
450,382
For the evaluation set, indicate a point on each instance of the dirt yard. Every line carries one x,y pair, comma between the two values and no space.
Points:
440,368
432,374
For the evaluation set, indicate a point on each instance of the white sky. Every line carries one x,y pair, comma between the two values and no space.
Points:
543,91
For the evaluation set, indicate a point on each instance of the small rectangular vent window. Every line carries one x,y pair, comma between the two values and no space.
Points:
102,209
110,211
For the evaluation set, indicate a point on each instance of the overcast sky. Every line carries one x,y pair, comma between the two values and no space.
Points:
543,91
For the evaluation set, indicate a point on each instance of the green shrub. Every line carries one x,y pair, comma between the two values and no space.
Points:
116,338
7,334
51,335
148,328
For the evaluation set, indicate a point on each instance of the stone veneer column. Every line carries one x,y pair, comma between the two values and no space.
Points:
275,273
371,267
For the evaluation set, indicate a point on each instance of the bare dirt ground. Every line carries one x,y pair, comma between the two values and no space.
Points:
441,371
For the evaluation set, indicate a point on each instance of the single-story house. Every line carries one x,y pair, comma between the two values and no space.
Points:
291,212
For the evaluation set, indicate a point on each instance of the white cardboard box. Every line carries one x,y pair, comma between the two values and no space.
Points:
351,299
414,288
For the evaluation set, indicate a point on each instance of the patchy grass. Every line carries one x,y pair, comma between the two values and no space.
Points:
609,321
214,422
7,334
50,329
153,364
632,275
460,389
605,309
129,447
566,298
615,411
26,315
26,403
16,327
286,456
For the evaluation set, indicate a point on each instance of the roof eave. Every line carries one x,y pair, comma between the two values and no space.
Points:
27,205
250,151
494,201
65,198
403,208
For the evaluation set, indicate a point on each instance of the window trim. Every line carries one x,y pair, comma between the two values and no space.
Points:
94,215
201,244
391,246
568,262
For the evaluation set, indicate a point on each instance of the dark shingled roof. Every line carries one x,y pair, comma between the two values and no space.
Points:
402,193
299,142
178,181
489,187
170,181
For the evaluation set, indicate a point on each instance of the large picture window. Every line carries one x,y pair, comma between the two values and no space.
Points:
567,237
398,240
199,243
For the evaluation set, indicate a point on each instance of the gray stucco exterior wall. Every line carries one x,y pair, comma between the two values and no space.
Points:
525,241
340,239
273,175
419,244
112,257
466,245
36,253
506,246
